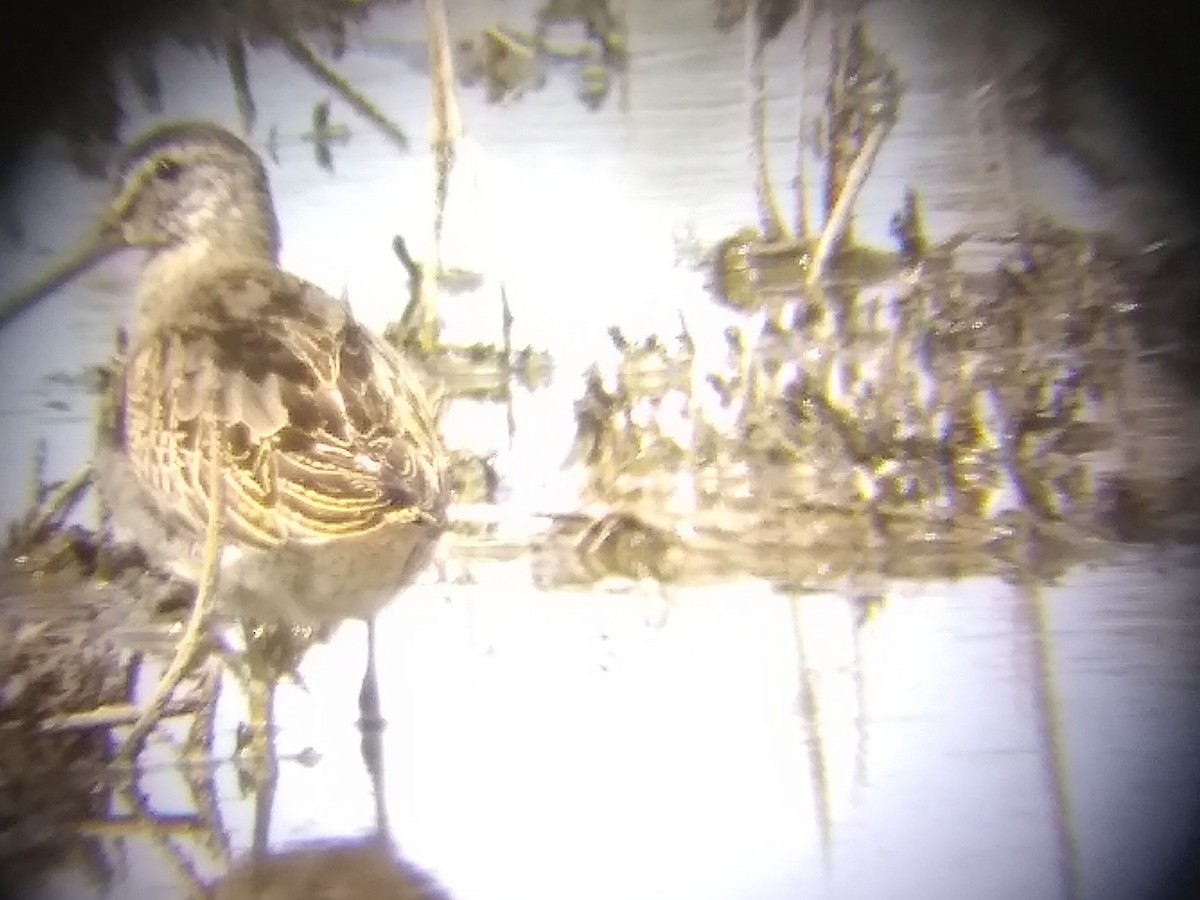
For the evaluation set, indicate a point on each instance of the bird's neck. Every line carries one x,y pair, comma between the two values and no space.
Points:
170,271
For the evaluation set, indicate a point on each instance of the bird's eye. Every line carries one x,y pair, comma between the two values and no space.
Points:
167,169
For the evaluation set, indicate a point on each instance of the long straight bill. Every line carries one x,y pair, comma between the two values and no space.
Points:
103,241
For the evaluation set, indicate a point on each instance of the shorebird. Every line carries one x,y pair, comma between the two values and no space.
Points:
256,440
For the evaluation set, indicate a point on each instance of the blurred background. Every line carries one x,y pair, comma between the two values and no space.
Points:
820,396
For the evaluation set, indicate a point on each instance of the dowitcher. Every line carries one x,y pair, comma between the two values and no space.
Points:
252,420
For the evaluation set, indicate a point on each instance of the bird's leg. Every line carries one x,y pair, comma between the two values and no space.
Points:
371,717
272,650
255,737
264,806
201,606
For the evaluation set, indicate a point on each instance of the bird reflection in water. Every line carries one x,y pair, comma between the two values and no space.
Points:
366,867
325,871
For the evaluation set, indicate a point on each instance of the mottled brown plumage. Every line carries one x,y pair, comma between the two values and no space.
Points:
332,470
331,450
326,436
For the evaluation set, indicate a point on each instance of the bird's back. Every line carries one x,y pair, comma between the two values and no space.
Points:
330,442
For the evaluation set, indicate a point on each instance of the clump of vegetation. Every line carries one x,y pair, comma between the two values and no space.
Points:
510,62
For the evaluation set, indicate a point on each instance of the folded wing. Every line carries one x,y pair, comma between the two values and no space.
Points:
327,431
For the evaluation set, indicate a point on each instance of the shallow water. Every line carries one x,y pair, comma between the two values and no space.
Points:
969,738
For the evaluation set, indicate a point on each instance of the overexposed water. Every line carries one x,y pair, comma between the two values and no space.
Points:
552,745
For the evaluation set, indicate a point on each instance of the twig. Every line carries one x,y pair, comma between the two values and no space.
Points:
506,324
1048,718
840,215
109,715
447,132
78,259
800,184
235,58
134,826
205,593
184,869
38,485
752,329
419,322
768,210
810,709
303,54
59,502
